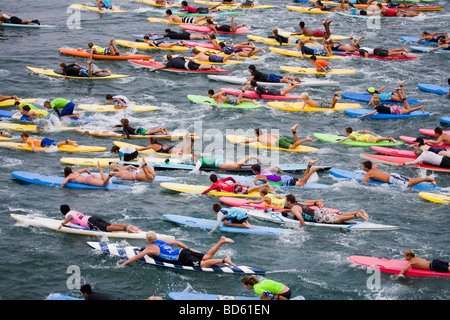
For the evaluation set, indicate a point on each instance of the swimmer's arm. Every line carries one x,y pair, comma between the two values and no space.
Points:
304,105
438,141
273,168
343,139
408,265
256,201
368,114
140,255
366,178
63,184
66,221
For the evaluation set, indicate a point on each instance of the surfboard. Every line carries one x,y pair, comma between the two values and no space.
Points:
427,141
110,133
150,64
430,132
392,266
243,203
58,73
167,21
445,119
10,102
233,6
206,29
394,161
304,82
434,197
80,52
351,225
53,224
65,148
395,57
2,138
187,14
208,224
290,34
308,10
146,46
126,252
425,49
428,8
210,102
357,176
314,71
61,296
31,26
297,106
54,181
333,138
96,9
223,54
106,161
14,114
253,95
249,180
365,97
111,108
433,88
239,139
121,144
28,127
295,53
197,189
380,116
394,152
205,296
414,39
153,3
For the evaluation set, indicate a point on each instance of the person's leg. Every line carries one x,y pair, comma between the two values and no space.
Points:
385,139
257,188
335,99
340,218
112,47
290,88
308,173
414,181
297,141
208,259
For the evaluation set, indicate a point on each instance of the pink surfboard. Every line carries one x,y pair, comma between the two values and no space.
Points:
394,152
242,202
430,132
253,95
411,140
153,64
394,266
399,160
396,57
206,29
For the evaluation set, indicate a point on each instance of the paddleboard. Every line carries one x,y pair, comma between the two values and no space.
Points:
295,53
146,46
345,174
232,6
5,138
205,296
365,97
239,139
445,119
54,224
297,106
243,203
314,71
249,180
106,161
427,141
424,49
187,14
61,296
57,73
394,266
290,34
430,132
31,26
223,54
198,189
46,180
65,148
433,88
28,127
167,21
229,61
307,9
391,160
121,144
10,102
111,108
209,225
304,82
14,114
253,95
434,197
394,152
96,9
415,39
79,52
333,138
153,3
430,8
206,29
126,252
352,225
154,36
110,133
360,112
395,57
151,65
210,102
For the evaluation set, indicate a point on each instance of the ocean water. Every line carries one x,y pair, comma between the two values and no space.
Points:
312,261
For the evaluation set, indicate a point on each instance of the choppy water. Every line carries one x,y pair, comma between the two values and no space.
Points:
311,261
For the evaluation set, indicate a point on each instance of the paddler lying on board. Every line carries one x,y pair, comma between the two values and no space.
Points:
184,63
269,199
231,217
75,70
126,129
230,49
338,46
110,51
260,90
90,179
319,5
221,97
270,77
429,158
321,65
316,33
372,172
160,43
44,143
234,187
283,181
307,101
92,222
207,56
387,12
302,212
104,4
442,137
390,4
224,27
433,37
325,50
267,289
274,140
442,45
365,52
183,35
26,111
385,109
7,18
67,107
163,250
119,101
162,148
187,8
366,137
3,98
125,153
394,96
420,263
420,143
129,172
173,18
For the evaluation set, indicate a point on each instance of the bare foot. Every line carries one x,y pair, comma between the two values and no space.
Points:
226,240
228,261
294,128
311,162
308,138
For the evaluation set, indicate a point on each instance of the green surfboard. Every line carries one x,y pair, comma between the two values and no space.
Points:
210,102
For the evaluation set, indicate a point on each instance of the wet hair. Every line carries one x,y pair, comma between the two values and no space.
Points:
67,171
211,91
304,95
290,198
64,208
46,103
167,31
169,12
216,207
250,280
256,167
115,149
418,151
252,67
151,236
24,135
264,190
26,108
367,164
108,97
275,31
63,64
184,3
349,130
86,288
253,83
213,178
125,123
195,51
410,253
301,24
313,58
438,130
90,44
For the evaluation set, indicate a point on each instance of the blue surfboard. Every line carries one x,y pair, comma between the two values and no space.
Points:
414,39
433,88
209,225
344,174
425,49
365,97
54,181
445,120
205,296
11,113
61,296
360,112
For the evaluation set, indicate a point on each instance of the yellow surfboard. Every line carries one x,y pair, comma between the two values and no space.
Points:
314,71
297,106
111,108
240,139
307,9
5,138
106,161
434,197
26,127
146,46
153,3
66,148
95,8
218,53
295,53
274,42
192,188
288,34
52,73
40,113
10,102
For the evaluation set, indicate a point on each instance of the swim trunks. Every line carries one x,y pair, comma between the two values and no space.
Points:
319,34
380,52
324,216
398,180
214,58
96,223
48,143
284,143
190,258
439,266
273,78
323,104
